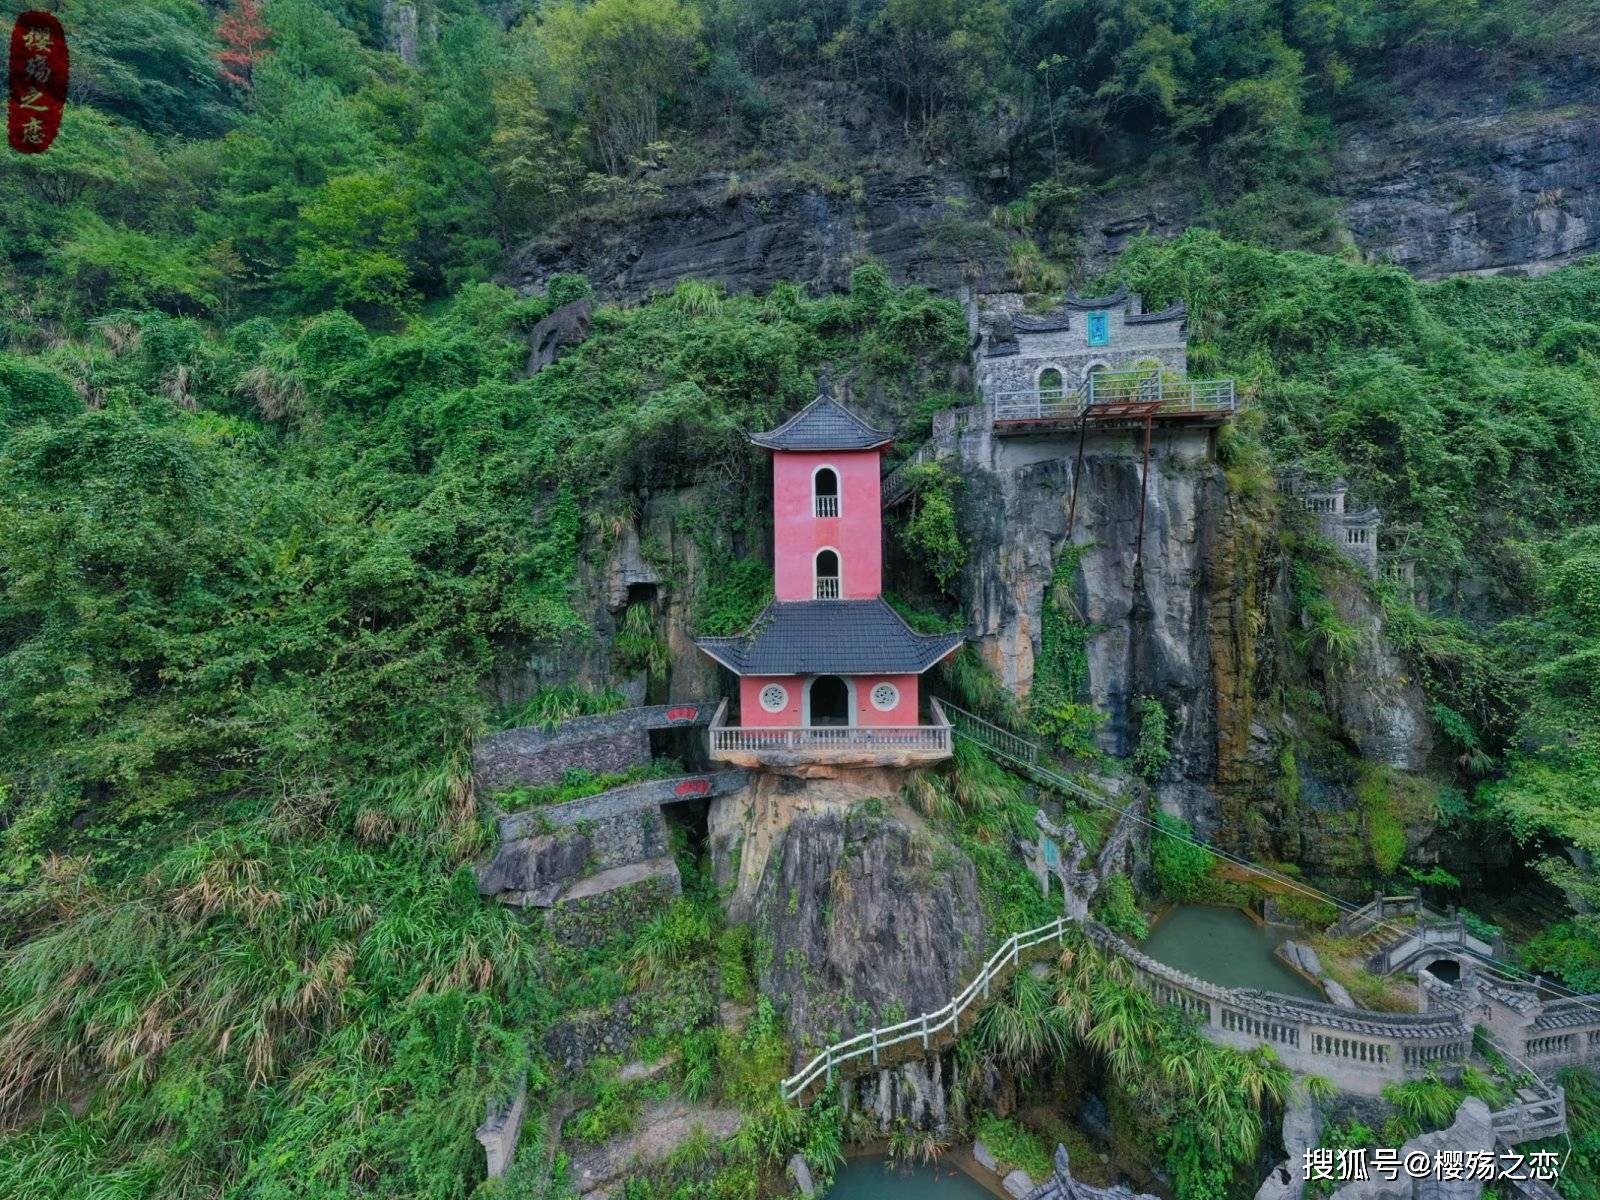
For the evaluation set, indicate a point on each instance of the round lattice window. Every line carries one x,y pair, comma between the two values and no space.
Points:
774,697
885,696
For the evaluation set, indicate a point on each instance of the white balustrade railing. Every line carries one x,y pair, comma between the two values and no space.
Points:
827,587
929,1025
1174,396
832,737
827,506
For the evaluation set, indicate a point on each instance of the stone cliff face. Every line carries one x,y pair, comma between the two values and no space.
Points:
1468,175
1265,740
1147,615
863,915
855,190
614,573
1468,181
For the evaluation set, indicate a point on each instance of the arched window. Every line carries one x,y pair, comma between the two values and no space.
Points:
1050,385
827,575
825,492
1099,389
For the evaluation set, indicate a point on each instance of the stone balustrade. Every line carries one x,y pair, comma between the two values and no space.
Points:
1357,1050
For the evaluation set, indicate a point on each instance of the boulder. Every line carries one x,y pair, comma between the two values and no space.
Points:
800,1172
1019,1183
1337,995
984,1157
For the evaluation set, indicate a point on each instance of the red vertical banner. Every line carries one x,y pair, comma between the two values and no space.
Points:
38,78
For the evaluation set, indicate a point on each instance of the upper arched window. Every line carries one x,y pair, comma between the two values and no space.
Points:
1051,384
827,587
825,492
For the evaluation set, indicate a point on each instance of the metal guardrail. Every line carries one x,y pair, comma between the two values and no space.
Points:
929,1025
895,485
1174,396
1014,749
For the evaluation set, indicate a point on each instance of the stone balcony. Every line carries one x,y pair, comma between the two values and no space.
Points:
801,746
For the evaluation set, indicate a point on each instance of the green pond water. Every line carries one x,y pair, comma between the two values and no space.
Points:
1226,947
877,1179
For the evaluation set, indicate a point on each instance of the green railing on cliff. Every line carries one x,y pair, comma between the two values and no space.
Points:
1016,750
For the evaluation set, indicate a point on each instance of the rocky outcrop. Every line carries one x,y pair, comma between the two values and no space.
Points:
400,29
1203,621
534,870
1472,1131
791,230
566,327
870,919
1302,1129
1376,702
862,912
913,1095
793,221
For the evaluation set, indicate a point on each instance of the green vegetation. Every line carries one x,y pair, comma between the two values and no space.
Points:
1151,753
1015,1147
1580,1176
1464,410
1117,908
929,533
245,630
1182,869
1201,1104
283,527
1056,703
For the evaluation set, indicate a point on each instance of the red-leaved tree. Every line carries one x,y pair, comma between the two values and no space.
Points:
244,38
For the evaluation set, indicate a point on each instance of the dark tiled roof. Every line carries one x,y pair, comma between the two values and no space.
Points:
824,424
1045,323
1093,303
1178,310
1049,322
830,637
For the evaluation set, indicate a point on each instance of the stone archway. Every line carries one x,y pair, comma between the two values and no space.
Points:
1444,967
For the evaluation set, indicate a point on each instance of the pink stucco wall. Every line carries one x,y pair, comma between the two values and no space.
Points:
856,533
750,711
752,714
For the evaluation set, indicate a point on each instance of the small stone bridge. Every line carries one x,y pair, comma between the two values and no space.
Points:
630,798
609,850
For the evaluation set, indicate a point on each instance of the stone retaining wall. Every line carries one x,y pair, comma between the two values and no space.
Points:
593,920
535,868
609,742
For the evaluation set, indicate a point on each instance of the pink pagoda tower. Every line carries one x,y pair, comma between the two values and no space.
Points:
829,673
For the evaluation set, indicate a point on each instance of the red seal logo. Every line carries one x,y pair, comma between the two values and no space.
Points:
692,787
38,82
684,712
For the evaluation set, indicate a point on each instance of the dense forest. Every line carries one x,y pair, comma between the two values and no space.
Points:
279,503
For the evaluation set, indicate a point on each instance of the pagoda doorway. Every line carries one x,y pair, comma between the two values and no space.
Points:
828,701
